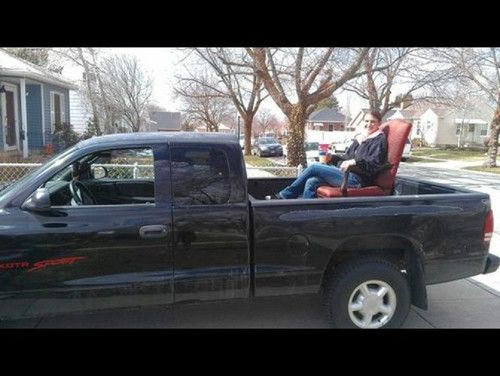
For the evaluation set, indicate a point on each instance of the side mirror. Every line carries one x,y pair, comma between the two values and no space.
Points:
100,172
39,201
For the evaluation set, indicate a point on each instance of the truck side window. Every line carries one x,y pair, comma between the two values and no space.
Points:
200,176
110,177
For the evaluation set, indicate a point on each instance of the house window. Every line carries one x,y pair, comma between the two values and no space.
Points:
471,127
57,109
457,132
330,127
484,130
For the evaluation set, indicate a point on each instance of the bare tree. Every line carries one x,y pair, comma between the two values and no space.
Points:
478,71
236,79
410,71
128,88
265,121
89,59
297,79
203,104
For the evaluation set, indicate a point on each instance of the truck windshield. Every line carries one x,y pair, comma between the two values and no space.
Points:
57,159
308,146
267,141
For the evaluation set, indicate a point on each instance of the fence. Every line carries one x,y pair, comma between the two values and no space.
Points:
10,172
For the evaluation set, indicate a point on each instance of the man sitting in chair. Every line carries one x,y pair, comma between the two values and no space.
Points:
369,155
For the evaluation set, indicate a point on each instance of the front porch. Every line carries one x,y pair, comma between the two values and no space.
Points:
32,100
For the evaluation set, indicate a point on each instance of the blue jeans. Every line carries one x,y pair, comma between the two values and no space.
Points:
314,176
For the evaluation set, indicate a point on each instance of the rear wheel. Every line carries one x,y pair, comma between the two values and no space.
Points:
367,293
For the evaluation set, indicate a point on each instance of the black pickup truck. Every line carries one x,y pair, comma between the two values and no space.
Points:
148,219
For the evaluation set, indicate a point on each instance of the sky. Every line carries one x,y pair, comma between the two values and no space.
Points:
163,64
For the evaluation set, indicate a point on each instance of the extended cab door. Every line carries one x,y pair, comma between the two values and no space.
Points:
111,250
210,222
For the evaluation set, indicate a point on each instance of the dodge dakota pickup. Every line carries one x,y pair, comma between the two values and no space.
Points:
155,218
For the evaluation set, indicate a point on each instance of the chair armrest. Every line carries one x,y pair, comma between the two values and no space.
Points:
357,170
343,186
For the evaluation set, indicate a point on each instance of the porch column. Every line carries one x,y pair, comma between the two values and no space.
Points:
24,118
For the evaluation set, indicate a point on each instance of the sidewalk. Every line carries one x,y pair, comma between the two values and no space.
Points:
447,163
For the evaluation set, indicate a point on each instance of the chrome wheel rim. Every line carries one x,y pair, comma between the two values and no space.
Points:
372,304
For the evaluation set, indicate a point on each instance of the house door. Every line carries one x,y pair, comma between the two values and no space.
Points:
10,118
10,128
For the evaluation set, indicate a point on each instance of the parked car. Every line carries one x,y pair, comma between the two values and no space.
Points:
92,243
267,147
340,147
311,149
406,151
312,152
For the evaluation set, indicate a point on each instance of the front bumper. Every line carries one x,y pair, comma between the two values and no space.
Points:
492,264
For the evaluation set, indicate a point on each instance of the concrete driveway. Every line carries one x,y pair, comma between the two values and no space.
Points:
458,304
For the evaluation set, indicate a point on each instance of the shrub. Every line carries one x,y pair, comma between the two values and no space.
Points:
92,129
64,136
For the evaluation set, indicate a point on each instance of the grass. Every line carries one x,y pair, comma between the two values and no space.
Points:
413,159
260,162
453,154
492,170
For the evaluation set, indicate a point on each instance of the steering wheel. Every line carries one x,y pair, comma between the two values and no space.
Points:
81,194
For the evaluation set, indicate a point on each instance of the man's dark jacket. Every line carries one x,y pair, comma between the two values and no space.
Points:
370,157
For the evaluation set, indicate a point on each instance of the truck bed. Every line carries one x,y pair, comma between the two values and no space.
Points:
294,239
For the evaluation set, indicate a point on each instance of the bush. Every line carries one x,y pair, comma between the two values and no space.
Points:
64,136
92,129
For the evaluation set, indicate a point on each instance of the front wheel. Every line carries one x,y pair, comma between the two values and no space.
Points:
367,293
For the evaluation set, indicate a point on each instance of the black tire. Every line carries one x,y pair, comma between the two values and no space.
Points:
345,280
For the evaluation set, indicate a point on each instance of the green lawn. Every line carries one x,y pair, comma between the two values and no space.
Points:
413,159
493,170
259,162
454,154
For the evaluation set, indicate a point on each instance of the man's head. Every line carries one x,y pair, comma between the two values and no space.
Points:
372,121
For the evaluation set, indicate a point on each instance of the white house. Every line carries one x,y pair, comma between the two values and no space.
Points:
439,125
79,110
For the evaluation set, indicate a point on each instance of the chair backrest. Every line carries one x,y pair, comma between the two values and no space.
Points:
396,132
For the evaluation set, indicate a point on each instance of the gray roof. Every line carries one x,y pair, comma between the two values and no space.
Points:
326,115
13,66
167,121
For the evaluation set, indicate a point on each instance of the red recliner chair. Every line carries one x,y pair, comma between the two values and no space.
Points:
396,131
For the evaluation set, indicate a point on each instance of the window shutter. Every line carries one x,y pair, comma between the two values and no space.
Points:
52,113
63,109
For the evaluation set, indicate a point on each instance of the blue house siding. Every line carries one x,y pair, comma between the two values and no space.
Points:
46,104
34,117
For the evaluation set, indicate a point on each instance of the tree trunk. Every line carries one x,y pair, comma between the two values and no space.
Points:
89,88
493,144
248,120
296,154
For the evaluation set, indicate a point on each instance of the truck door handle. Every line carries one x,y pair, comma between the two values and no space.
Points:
153,232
